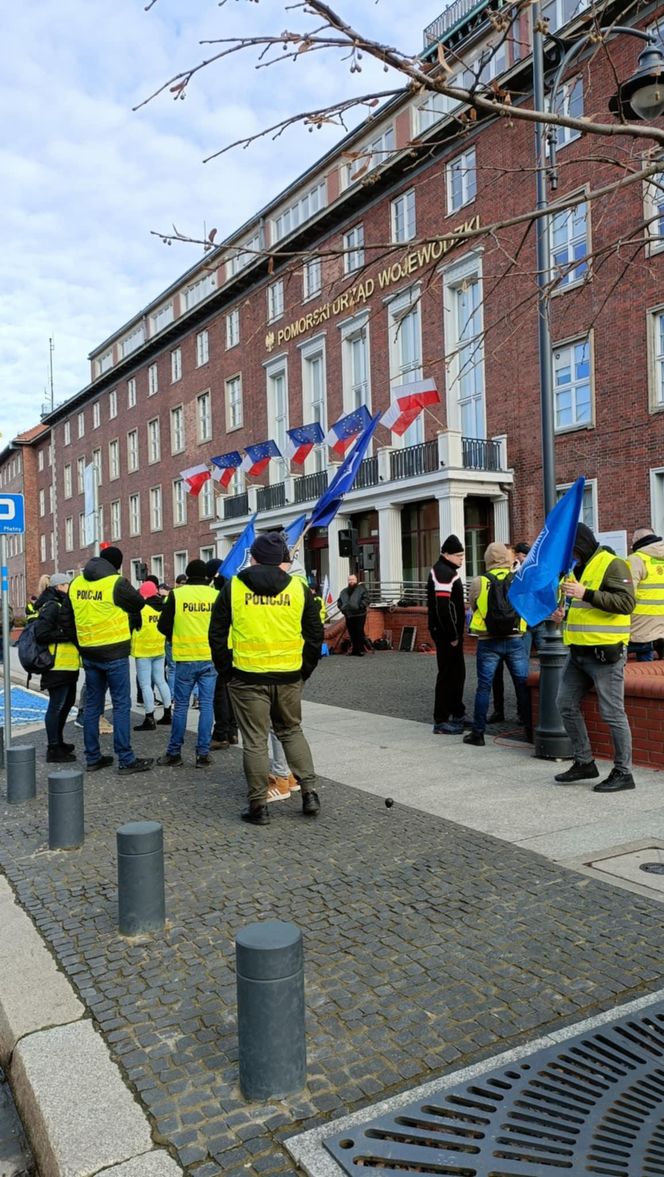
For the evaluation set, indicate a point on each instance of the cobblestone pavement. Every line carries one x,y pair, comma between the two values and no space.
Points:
427,945
15,1159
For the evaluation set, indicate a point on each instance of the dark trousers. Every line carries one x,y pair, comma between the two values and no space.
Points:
448,700
258,707
225,724
355,627
61,699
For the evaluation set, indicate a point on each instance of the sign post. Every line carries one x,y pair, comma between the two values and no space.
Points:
12,522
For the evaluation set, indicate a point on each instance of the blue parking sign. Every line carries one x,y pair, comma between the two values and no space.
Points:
12,515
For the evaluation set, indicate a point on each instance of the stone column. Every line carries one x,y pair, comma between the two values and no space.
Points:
501,519
451,514
339,565
391,555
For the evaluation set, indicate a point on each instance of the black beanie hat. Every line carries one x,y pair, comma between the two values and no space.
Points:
152,580
114,557
585,542
196,569
212,567
452,545
270,548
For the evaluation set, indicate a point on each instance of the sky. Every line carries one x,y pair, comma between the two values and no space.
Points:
85,180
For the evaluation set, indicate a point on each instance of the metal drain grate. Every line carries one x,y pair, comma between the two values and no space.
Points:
593,1104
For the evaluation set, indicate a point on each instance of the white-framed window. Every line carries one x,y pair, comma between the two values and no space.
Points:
176,365
369,156
204,416
97,463
105,362
206,553
135,514
154,440
206,504
51,545
202,348
96,415
42,503
50,499
155,508
80,421
312,278
161,318
80,474
275,300
435,107
132,341
405,349
355,362
300,211
232,328
353,247
656,358
153,379
589,513
560,12
40,460
493,60
276,374
67,434
246,253
653,202
464,346
113,403
179,502
314,396
199,290
461,180
572,379
69,534
49,457
67,481
234,414
42,548
131,392
157,567
657,498
136,569
132,450
114,459
177,429
570,245
180,561
403,217
569,102
81,531
116,532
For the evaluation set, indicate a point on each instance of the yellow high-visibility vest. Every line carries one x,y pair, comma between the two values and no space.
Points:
66,655
587,626
99,621
267,631
477,621
650,590
148,642
193,605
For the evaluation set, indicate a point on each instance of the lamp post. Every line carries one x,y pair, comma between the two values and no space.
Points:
642,96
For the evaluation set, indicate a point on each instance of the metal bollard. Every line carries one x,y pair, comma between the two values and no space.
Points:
66,829
21,780
270,1010
141,896
2,747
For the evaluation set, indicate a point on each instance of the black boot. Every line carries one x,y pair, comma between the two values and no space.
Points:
166,718
148,724
56,754
67,747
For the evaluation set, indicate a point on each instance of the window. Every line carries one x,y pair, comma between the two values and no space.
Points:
461,180
180,561
492,61
135,514
81,531
50,499
314,396
206,554
233,403
569,245
202,348
135,339
369,156
161,318
572,391
355,363
199,290
204,417
176,365
115,520
656,348
312,275
435,107
405,348
157,567
153,379
232,329
81,424
42,503
179,502
277,416
67,481
353,245
654,212
105,362
112,404
69,534
464,347
403,217
96,415
154,440
42,548
275,301
559,12
588,513
80,475
569,102
114,459
96,462
131,393
132,450
40,462
177,430
67,434
245,255
657,498
155,508
206,504
300,211
49,456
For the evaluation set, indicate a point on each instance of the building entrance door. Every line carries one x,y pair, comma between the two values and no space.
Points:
478,518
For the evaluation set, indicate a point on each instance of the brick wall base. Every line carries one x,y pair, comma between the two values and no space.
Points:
386,623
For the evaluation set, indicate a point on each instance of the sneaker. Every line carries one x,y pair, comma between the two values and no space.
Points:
617,780
474,738
103,762
219,745
278,788
78,722
168,761
139,765
577,772
257,815
58,754
293,783
451,727
234,738
105,728
496,717
204,761
67,747
310,803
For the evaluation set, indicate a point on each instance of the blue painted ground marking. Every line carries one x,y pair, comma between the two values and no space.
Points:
27,707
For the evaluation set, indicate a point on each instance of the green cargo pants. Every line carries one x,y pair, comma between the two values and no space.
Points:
258,705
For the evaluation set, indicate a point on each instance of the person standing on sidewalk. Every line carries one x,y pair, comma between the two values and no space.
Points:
147,648
596,632
353,603
106,609
646,564
184,621
276,645
447,617
55,628
224,732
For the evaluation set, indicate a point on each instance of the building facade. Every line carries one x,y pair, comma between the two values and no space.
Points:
22,464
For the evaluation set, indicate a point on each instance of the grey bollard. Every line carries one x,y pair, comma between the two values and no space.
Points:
141,896
2,747
66,829
270,1010
21,780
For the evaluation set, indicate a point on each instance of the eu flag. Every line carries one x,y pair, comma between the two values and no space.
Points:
534,590
331,499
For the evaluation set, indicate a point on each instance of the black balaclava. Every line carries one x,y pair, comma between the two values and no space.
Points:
585,544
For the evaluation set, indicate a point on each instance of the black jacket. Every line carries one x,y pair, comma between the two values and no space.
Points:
446,606
55,623
125,597
167,619
268,582
354,602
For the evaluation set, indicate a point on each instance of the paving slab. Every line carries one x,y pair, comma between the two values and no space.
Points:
151,1164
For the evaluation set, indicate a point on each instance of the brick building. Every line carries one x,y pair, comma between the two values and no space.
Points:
382,290
22,463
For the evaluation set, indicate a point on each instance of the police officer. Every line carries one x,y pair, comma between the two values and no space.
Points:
184,621
54,627
276,644
106,609
596,632
647,567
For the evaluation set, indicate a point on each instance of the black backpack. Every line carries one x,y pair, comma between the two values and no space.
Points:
501,618
33,656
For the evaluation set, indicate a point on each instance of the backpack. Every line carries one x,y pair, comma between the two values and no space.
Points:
33,656
501,618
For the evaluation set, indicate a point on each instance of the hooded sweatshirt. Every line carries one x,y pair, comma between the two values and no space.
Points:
496,556
647,629
267,581
445,603
55,623
125,597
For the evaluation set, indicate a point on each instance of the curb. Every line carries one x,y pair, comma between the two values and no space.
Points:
79,1116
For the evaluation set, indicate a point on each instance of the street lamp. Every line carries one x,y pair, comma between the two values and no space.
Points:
641,96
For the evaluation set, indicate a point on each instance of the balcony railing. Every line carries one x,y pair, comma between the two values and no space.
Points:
271,498
414,460
480,453
236,506
310,486
367,474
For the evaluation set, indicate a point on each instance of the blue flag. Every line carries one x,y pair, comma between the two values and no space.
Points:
294,530
239,553
534,590
331,499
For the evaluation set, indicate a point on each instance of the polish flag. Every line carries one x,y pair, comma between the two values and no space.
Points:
408,402
195,478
